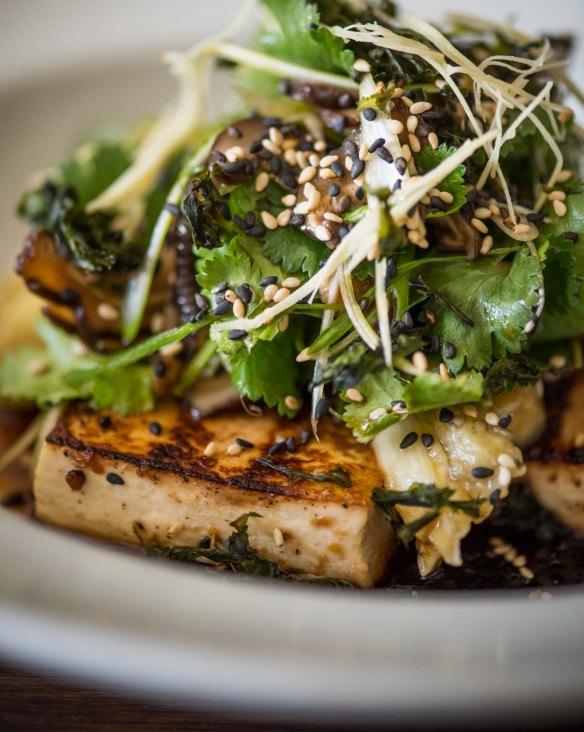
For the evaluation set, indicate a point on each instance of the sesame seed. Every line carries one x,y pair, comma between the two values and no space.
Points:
406,153
486,244
281,294
160,369
445,415
354,395
107,311
290,157
395,126
521,229
314,159
501,549
330,216
564,176
105,422
221,287
38,366
313,200
415,143
363,152
284,217
483,213
519,561
276,447
291,282
269,221
510,555
446,196
410,439
236,334
278,537
505,421
362,66
420,361
276,135
289,199
401,164
233,167
322,233
357,167
376,144
301,208
369,113
433,140
238,308
320,145
420,107
529,326
427,440
406,100
234,449
262,181
526,573
492,418
481,472
479,225
557,196
384,154
560,208
272,147
571,236
470,411
270,291
334,190
412,123
443,370
397,93
291,402
230,296
378,413
235,153
172,349
504,476
557,362
313,220
303,356
306,174
155,428
246,444
322,408
115,479
210,449
284,323
328,160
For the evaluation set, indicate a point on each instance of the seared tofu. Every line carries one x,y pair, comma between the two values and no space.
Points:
101,480
555,466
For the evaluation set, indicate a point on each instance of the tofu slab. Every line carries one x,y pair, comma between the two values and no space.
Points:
180,496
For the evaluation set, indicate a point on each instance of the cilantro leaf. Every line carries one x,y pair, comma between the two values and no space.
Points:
498,297
297,42
429,391
507,372
562,284
378,390
428,159
294,251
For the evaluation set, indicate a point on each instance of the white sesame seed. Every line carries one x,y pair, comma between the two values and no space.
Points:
308,189
282,293
328,160
521,229
479,226
395,126
313,200
284,217
420,107
397,93
290,156
291,402
564,176
278,537
290,143
327,173
423,244
470,411
238,308
230,296
406,152
157,322
406,100
36,367
579,440
496,541
420,361
526,573
560,208
494,209
501,550
284,323
354,395
364,151
262,181
330,216
446,196
301,208
504,476
322,233
210,449
313,220
306,174
557,362
377,413
234,449
320,145
235,153
412,123
557,196
272,147
269,221
487,244
269,292
291,282
483,213
529,326
289,199
444,375
362,66
506,461
107,311
433,140
301,159
348,162
415,143
519,561
510,555
276,136
492,418
314,159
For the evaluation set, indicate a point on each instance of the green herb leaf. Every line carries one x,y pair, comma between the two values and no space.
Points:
429,391
428,159
378,390
507,372
337,475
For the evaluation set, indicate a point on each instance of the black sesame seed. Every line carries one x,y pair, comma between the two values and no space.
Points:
115,479
305,146
359,193
255,146
160,369
200,301
571,236
339,123
376,144
244,293
257,230
232,131
495,497
449,350
220,158
276,165
401,165
338,169
445,415
305,436
322,408
344,203
244,443
205,542
238,221
398,403
201,314
438,203
236,334
535,218
384,154
369,113
272,121
357,168
427,440
291,444
391,270
408,320
342,232
155,428
350,147
313,26
250,218
235,167
435,344
264,154
344,100
219,297
288,180
105,422
397,185
297,220
505,421
276,447
70,297
334,189
223,308
410,439
269,280
482,472
225,212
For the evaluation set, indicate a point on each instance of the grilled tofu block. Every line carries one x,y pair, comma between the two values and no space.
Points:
100,480
555,465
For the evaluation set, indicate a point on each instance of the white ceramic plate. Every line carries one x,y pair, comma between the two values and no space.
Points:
174,631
